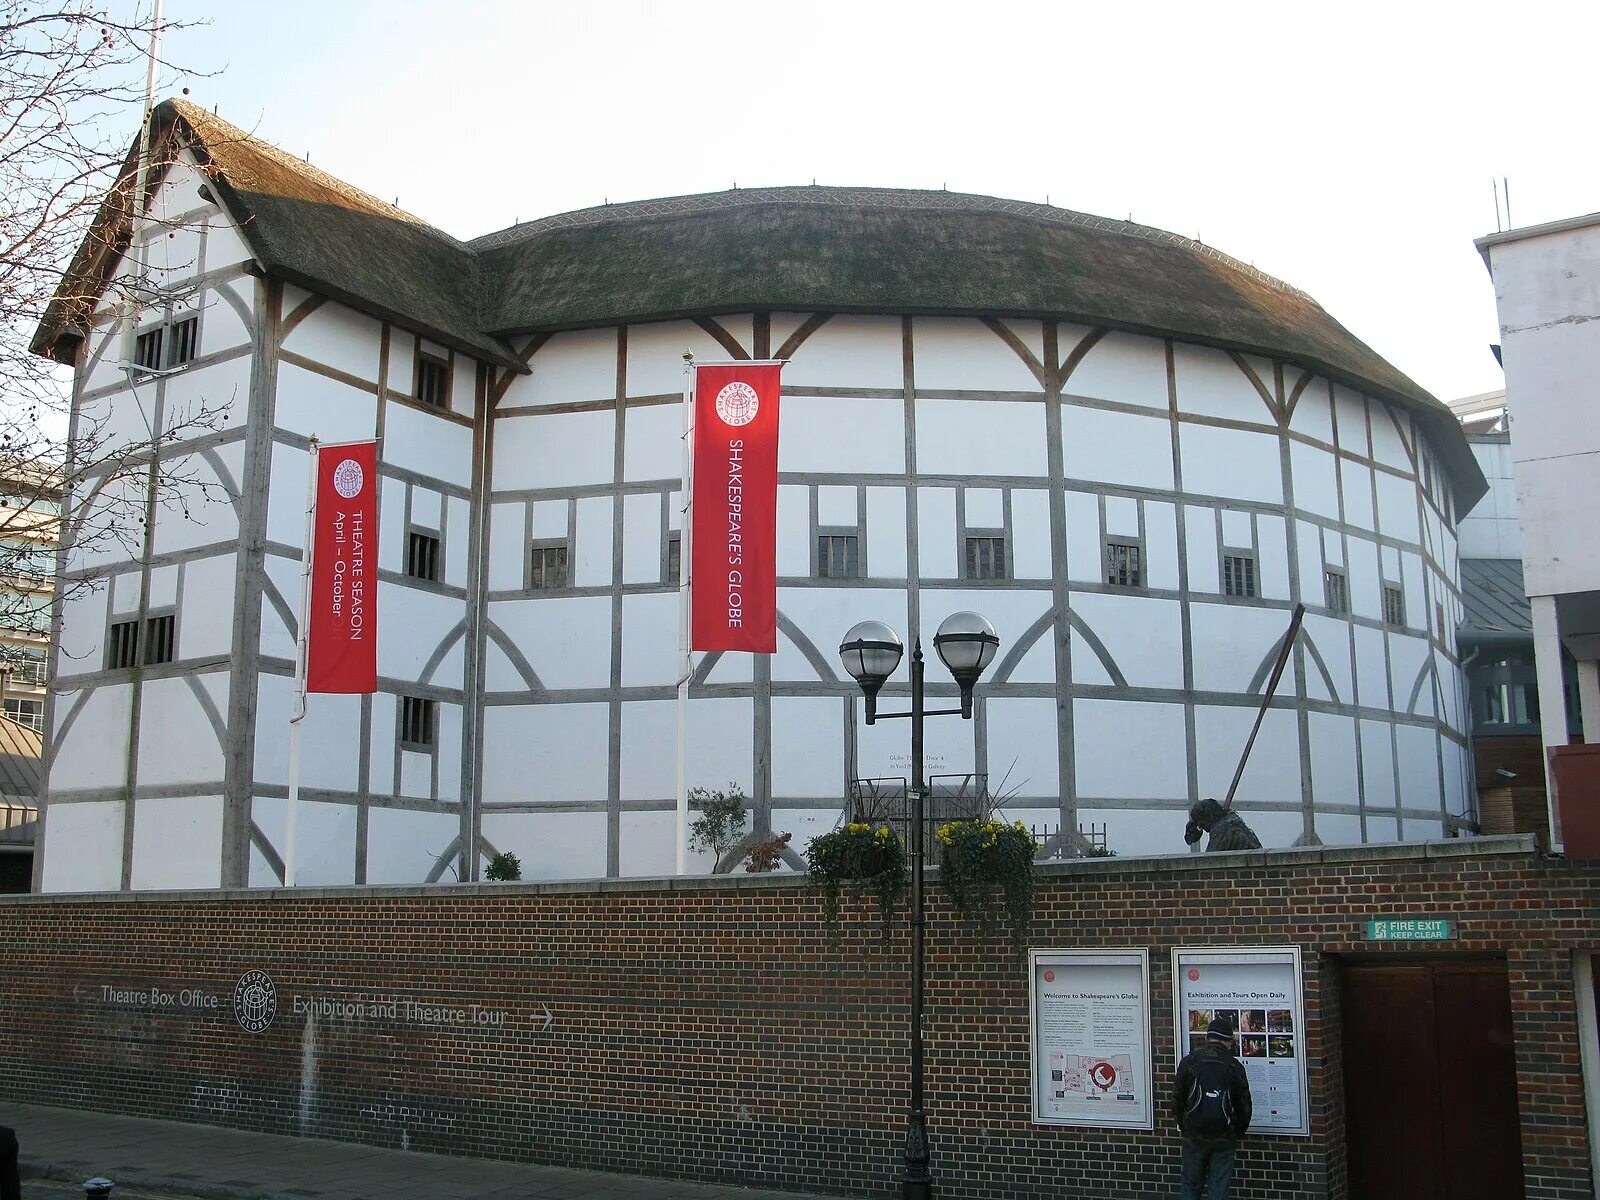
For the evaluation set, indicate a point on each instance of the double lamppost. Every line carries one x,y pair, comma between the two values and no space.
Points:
871,651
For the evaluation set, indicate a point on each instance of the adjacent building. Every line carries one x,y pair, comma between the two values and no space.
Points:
1133,453
1547,287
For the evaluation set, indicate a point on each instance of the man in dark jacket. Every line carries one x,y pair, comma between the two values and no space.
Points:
1211,1105
1227,829
10,1185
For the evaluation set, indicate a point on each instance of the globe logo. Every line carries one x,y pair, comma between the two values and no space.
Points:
737,404
348,479
255,1001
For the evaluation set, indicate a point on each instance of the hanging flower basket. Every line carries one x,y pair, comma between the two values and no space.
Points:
986,868
859,859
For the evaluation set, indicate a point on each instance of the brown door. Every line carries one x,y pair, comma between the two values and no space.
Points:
1430,1083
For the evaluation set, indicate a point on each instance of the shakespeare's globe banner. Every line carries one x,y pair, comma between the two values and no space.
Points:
733,578
342,638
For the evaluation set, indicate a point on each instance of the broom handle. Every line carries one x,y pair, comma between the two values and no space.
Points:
1272,686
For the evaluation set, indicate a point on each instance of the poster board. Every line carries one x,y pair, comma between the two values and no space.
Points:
1089,1015
1260,989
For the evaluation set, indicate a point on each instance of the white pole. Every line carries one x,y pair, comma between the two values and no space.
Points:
297,711
685,655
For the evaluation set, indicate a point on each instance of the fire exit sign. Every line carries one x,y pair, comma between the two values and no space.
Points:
1411,929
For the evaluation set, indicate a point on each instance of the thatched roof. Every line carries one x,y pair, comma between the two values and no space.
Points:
796,249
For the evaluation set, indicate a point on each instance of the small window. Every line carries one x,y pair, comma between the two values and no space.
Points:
548,568
839,557
123,650
433,381
1238,574
422,555
147,349
1394,605
183,339
416,722
31,668
986,557
674,564
1337,591
158,639
25,712
1123,568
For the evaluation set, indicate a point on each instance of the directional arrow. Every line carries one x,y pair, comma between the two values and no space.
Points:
547,1017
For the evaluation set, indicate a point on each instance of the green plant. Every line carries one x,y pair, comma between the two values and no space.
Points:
765,856
504,867
721,821
986,868
859,859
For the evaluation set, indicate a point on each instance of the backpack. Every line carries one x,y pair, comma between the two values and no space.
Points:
1208,1109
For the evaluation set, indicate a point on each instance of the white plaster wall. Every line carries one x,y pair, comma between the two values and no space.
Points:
841,435
544,753
1116,448
324,838
808,747
847,351
338,337
428,444
330,738
1211,384
1123,368
82,847
551,845
554,450
652,442
1112,765
1272,775
994,437
655,353
647,845
403,845
571,368
177,843
962,354
1229,462
92,753
177,743
308,403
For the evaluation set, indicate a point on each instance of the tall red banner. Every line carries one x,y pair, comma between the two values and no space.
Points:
733,538
342,647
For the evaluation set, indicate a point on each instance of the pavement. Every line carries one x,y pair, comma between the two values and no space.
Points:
173,1160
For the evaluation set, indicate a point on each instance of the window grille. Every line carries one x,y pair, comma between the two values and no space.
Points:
548,568
147,349
674,557
31,668
1238,575
1337,591
183,342
433,381
422,556
838,556
122,651
1394,605
158,639
986,557
416,722
1123,567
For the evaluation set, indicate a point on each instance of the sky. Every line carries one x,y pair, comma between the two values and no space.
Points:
1349,149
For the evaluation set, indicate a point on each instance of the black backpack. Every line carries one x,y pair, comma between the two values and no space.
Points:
1208,1109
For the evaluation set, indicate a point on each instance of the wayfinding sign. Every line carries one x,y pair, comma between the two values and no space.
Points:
1411,929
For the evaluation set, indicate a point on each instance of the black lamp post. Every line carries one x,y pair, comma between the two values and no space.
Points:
871,651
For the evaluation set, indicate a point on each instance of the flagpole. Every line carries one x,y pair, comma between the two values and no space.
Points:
685,654
297,711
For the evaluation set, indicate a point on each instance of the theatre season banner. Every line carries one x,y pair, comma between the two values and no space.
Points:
733,579
341,650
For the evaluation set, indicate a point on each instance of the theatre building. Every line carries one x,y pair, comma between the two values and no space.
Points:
1132,453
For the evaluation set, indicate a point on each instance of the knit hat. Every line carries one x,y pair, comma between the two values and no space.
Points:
1221,1029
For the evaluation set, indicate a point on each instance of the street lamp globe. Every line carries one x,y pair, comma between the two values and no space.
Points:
870,652
966,643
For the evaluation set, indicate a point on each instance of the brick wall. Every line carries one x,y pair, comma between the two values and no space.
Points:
708,1028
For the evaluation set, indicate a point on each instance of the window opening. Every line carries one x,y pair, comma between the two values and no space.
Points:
122,651
986,557
1337,591
838,556
548,567
422,556
158,639
416,722
1123,568
1238,575
433,381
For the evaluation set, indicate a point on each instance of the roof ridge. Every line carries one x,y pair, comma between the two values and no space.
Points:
902,198
204,123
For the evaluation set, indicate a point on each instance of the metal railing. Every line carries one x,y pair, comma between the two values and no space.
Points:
887,801
19,824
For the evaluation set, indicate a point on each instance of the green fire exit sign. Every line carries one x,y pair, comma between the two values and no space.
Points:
1410,929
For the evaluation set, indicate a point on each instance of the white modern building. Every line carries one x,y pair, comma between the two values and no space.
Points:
1131,452
1547,288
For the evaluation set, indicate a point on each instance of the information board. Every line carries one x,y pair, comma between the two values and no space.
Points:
1258,990
1091,1038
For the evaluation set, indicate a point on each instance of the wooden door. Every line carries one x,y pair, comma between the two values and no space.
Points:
1430,1082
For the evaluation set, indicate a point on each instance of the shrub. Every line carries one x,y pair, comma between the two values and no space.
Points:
765,856
720,824
859,859
986,868
504,867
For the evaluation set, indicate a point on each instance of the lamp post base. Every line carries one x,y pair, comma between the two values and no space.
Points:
915,1184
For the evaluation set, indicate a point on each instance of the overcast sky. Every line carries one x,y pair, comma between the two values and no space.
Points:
1346,148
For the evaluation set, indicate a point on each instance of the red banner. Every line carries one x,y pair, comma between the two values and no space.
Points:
733,540
342,647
